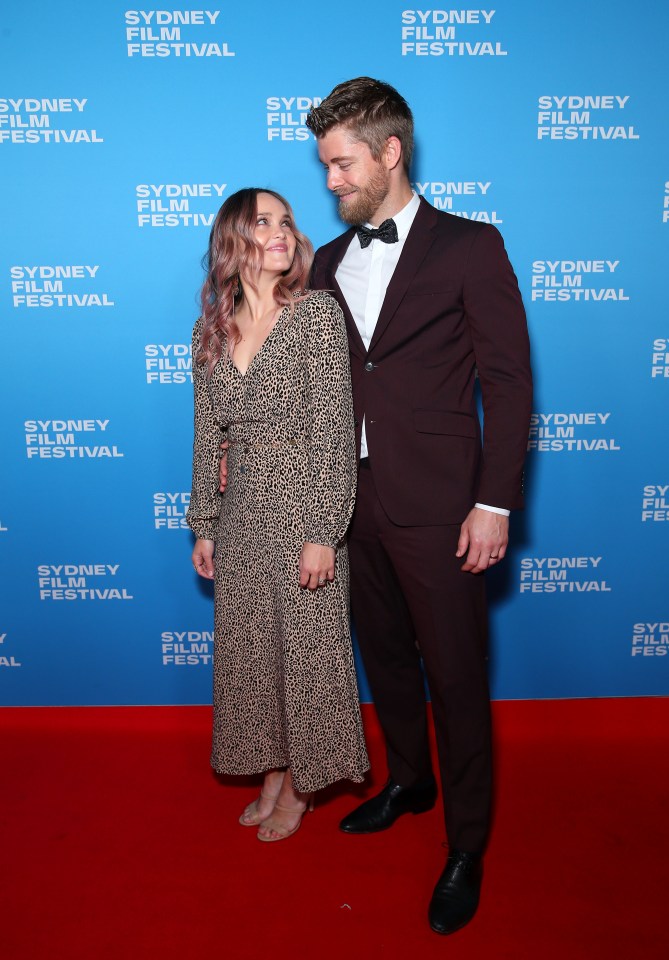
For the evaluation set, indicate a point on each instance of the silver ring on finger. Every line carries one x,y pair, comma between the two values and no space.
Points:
321,582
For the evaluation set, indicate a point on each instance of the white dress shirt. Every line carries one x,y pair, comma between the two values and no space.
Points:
363,276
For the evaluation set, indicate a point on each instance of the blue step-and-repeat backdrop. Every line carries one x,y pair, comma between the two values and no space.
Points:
121,133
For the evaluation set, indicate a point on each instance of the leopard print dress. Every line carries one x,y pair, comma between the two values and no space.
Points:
285,692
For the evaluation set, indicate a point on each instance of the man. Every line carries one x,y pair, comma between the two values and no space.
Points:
429,298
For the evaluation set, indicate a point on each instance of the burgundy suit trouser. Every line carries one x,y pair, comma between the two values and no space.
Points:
410,600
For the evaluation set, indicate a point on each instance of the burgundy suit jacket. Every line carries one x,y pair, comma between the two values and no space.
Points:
452,307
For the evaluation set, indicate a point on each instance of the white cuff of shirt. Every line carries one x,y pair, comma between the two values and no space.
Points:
500,510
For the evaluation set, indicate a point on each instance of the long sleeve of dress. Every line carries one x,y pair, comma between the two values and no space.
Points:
205,499
329,502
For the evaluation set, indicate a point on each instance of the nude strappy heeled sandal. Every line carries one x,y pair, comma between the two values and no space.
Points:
249,817
282,831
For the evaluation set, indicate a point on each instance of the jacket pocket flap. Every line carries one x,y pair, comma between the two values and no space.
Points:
444,421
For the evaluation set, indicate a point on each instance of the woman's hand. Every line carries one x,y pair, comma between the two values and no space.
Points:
203,558
223,467
317,563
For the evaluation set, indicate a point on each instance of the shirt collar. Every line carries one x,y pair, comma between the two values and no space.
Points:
405,217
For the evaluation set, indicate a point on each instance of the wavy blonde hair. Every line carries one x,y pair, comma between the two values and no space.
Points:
233,250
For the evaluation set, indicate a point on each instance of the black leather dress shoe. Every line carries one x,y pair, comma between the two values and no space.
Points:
382,811
456,895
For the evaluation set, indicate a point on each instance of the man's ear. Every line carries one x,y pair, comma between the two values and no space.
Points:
392,153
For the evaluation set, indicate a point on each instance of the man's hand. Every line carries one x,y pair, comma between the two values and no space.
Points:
203,558
484,536
317,563
223,467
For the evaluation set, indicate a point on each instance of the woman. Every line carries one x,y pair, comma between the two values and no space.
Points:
271,375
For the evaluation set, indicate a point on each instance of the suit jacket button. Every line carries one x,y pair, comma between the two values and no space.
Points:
369,366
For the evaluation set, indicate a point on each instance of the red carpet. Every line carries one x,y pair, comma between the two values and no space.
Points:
118,842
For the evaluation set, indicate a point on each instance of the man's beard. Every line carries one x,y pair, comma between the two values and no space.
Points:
366,200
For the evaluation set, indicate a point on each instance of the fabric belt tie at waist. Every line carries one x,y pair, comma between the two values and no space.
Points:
263,443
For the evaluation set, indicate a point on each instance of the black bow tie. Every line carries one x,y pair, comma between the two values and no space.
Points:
386,232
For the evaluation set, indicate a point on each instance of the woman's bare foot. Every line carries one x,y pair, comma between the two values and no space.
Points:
260,809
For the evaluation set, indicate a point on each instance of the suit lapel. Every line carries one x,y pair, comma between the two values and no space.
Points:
354,338
416,246
339,248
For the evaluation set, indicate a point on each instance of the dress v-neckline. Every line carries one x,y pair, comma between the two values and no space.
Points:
260,348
